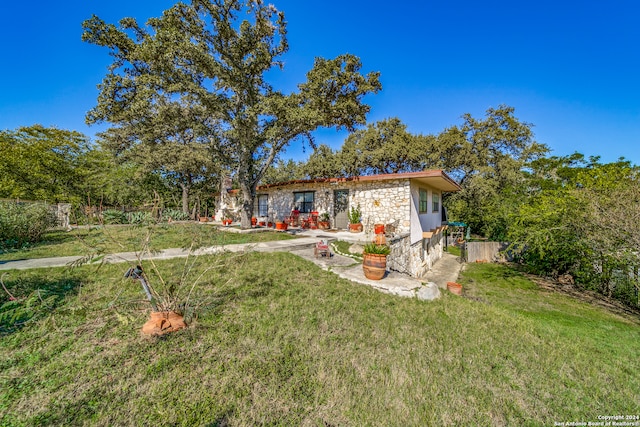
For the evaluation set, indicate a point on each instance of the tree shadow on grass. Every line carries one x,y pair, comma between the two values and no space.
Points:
27,297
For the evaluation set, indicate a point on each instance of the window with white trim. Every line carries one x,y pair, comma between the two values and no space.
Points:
263,205
423,203
435,202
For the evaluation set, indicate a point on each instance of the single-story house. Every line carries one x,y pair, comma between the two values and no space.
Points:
411,201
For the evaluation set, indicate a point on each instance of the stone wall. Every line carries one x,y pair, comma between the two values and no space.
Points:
415,259
381,202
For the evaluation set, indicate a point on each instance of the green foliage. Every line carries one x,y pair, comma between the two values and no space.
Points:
15,313
174,215
38,163
375,249
323,163
112,216
581,218
384,148
487,157
140,218
23,223
355,215
207,61
281,171
31,296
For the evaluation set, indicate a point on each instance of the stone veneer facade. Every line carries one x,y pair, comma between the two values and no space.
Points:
381,202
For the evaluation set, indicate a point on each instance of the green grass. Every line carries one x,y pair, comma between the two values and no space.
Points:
278,341
454,250
343,248
127,238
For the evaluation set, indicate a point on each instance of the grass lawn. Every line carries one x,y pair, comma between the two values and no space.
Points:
127,238
285,343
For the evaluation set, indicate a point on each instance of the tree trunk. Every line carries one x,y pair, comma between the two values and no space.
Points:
185,198
246,212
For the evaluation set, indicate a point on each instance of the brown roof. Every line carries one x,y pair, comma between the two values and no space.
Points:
434,178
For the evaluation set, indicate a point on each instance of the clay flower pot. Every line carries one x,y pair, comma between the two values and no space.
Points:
454,288
355,228
374,266
163,322
280,225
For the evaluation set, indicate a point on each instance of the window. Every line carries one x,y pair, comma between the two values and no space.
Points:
303,201
435,202
263,205
423,201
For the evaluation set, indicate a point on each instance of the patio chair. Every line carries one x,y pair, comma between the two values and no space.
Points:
293,219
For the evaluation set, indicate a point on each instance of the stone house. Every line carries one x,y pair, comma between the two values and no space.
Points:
411,201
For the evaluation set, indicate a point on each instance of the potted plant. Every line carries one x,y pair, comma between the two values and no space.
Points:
323,221
167,314
374,262
355,224
281,225
454,288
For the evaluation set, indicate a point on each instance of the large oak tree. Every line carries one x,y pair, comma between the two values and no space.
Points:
216,55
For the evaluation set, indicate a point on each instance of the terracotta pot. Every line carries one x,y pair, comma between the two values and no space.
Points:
163,322
355,228
374,266
262,223
324,225
254,221
378,228
281,225
454,288
226,222
203,219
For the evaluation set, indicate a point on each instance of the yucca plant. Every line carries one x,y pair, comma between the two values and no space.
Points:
375,249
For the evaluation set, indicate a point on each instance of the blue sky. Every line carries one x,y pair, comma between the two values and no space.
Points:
571,68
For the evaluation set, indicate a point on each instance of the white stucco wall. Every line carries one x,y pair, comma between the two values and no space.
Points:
423,221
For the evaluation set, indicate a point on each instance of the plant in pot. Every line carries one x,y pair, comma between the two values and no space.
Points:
281,225
323,221
374,262
355,223
173,294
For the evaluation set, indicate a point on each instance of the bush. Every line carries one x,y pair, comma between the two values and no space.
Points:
174,214
113,216
21,223
140,218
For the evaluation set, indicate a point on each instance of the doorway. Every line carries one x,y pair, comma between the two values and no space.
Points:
341,209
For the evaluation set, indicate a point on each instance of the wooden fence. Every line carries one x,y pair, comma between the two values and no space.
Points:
485,251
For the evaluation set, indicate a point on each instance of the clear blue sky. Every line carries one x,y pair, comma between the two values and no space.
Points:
571,68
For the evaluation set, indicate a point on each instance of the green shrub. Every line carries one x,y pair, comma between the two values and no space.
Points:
21,223
174,214
113,216
140,218
355,215
374,249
